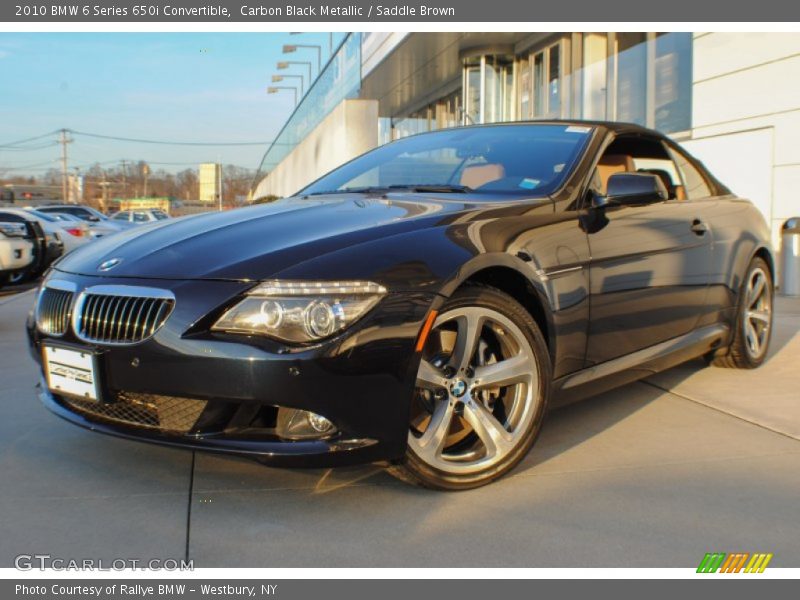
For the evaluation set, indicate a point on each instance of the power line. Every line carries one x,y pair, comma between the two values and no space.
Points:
164,142
26,140
26,148
28,166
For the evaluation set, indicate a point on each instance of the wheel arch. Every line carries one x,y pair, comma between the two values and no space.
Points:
507,274
764,253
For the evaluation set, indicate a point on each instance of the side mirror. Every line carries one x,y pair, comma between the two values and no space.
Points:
93,219
633,188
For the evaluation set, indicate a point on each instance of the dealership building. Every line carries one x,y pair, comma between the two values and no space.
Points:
732,99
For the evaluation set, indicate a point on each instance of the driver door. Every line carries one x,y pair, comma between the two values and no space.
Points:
650,264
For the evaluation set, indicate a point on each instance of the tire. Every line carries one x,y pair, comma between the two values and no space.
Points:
754,315
464,433
19,277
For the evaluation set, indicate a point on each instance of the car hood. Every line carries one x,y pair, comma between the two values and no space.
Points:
256,242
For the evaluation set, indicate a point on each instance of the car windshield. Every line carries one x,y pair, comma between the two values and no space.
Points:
44,216
66,217
529,159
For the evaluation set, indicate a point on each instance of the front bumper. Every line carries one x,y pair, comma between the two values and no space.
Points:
362,381
309,453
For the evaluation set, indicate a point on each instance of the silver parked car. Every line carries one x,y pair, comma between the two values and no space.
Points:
99,223
140,216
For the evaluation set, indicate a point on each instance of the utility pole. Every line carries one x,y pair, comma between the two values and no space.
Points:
219,180
77,186
104,186
64,140
124,180
145,173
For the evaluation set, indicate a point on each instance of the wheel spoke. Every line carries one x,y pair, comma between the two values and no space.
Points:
758,315
490,431
432,440
752,339
429,376
756,288
469,332
506,372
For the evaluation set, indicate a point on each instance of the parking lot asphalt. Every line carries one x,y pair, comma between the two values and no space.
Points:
654,474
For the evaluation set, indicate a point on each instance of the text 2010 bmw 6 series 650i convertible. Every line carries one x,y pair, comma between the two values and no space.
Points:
422,306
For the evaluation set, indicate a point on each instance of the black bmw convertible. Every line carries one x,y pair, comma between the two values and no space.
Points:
421,306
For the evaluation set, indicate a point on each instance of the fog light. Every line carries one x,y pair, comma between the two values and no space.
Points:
319,422
295,424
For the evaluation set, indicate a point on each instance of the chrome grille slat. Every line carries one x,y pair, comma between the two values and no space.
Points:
105,314
125,319
91,318
106,307
53,310
62,310
138,318
114,333
157,318
147,317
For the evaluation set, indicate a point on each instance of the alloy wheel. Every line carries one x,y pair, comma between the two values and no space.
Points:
757,313
476,391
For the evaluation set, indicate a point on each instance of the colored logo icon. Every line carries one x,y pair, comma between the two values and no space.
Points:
738,562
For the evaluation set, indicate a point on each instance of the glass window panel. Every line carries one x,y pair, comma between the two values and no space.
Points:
493,91
339,79
631,78
695,183
472,100
554,82
595,73
538,85
673,82
524,67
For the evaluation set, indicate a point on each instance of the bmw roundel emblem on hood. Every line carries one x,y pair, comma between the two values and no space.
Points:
107,265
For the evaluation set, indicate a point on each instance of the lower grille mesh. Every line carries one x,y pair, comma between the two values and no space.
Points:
166,413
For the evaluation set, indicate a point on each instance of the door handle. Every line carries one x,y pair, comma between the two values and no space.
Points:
699,227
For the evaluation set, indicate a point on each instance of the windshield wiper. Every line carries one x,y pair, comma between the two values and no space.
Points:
352,190
432,188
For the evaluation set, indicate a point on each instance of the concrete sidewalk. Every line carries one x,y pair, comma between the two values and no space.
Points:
654,474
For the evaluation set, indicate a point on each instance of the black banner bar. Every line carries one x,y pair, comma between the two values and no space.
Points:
371,11
731,588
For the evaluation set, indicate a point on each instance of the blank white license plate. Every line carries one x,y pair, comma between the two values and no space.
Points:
71,372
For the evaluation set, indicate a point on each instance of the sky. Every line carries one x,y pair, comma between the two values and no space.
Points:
160,86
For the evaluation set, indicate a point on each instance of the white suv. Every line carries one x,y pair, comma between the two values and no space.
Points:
16,252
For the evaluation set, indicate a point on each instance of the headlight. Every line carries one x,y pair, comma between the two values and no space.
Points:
301,311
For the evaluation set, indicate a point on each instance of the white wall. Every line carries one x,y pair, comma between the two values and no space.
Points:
746,117
348,131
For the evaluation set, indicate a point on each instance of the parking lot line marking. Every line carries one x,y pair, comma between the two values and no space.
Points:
719,410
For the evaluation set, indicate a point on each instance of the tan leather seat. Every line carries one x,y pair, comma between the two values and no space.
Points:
676,191
609,165
478,175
